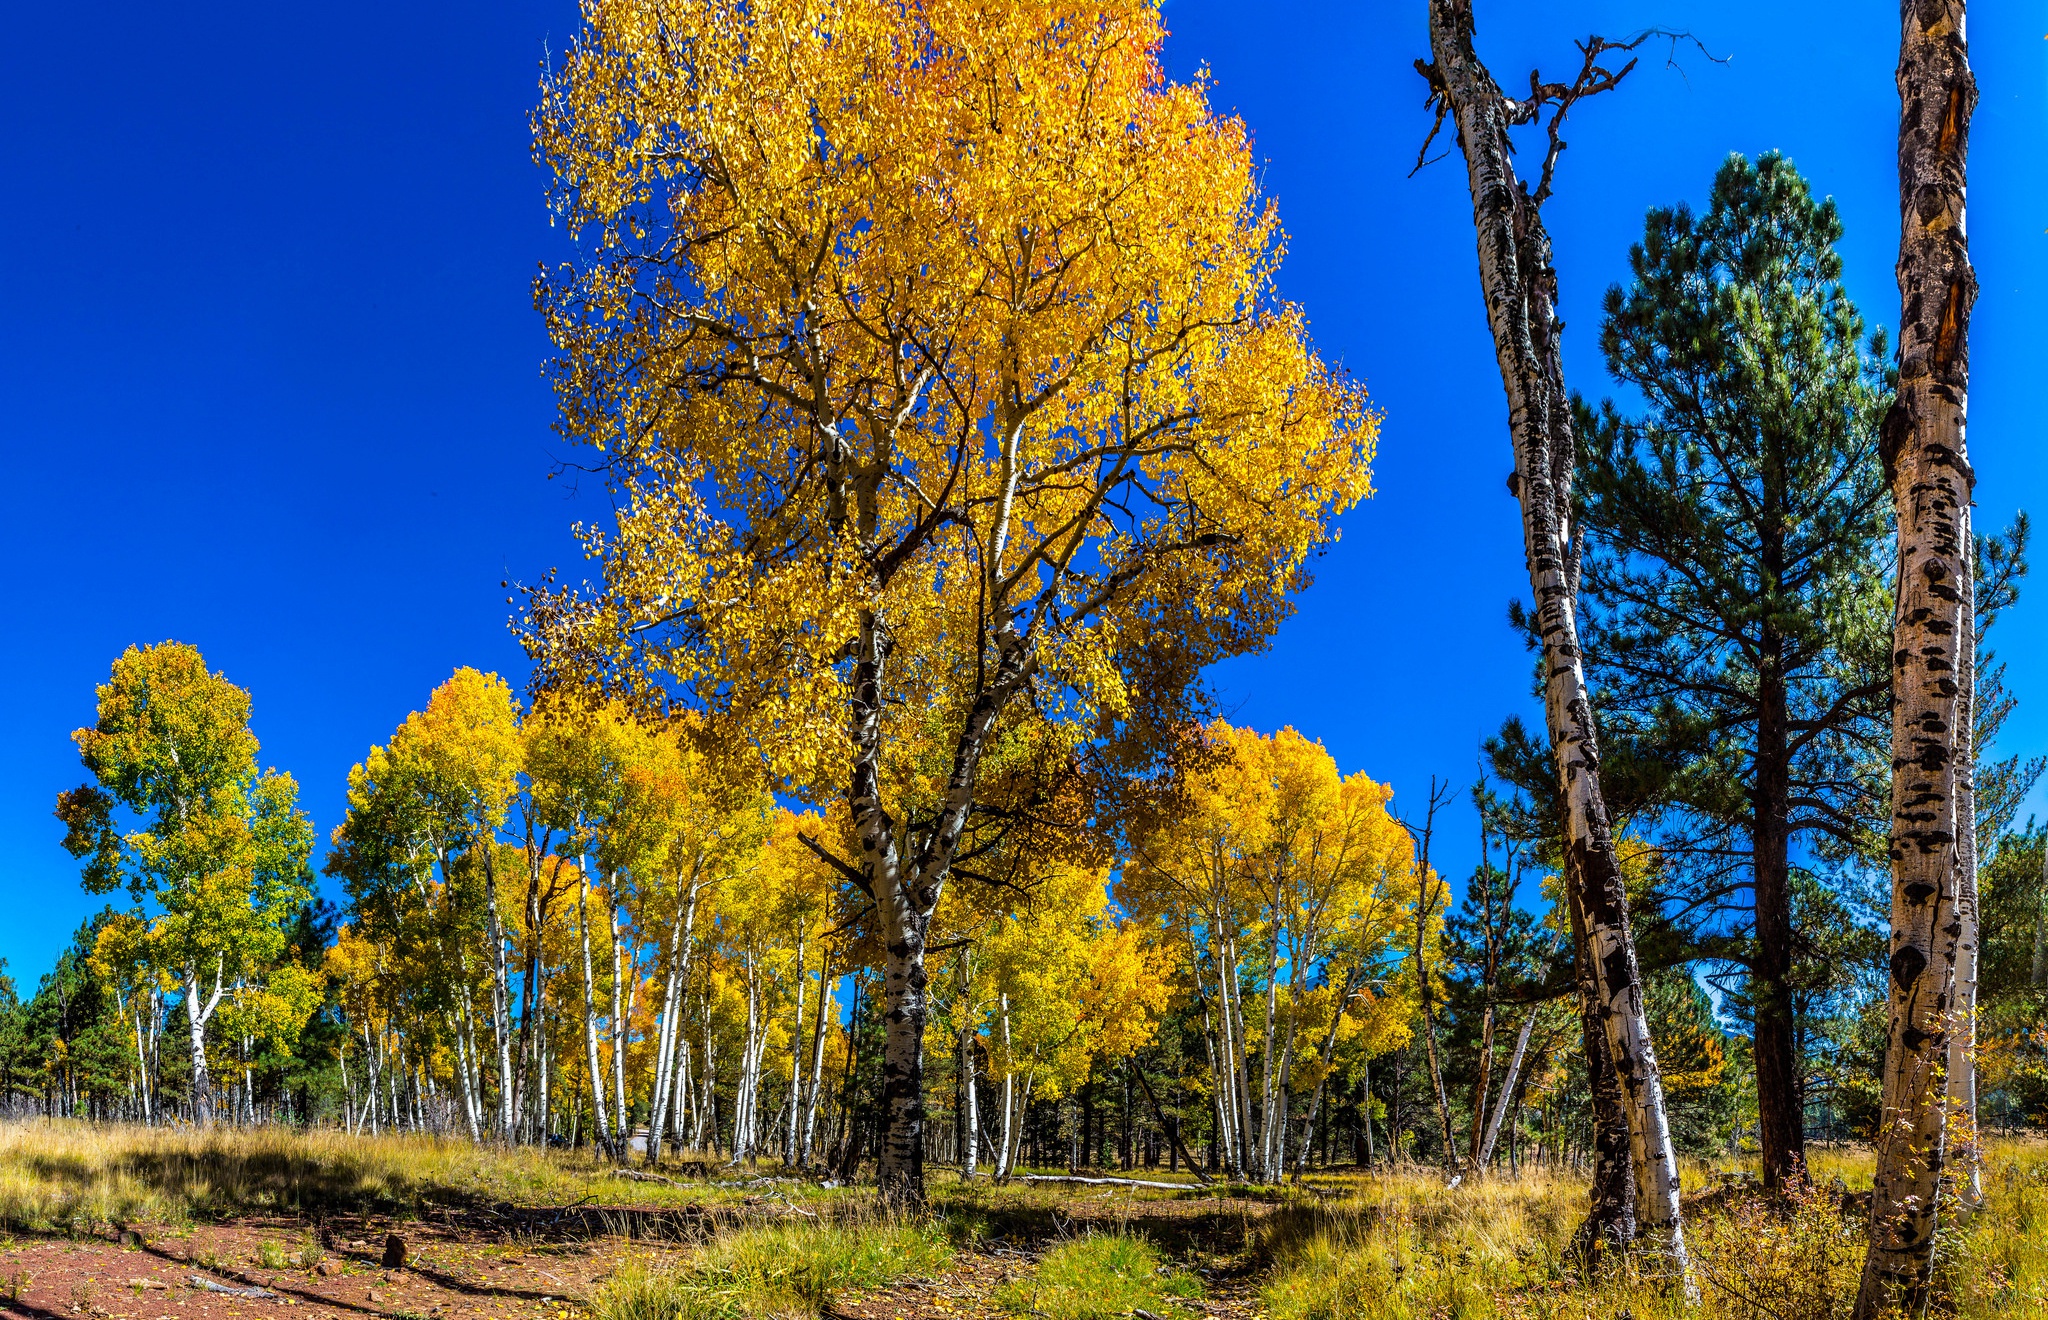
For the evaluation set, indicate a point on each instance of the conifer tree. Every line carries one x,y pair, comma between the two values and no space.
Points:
1734,565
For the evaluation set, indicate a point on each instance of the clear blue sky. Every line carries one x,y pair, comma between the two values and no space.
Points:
272,383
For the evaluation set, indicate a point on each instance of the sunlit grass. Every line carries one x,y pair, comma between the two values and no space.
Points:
788,1271
1096,1277
1404,1246
56,1175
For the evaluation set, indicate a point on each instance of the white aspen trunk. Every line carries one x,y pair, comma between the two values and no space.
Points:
679,943
1962,1042
1519,284
370,1080
1268,1111
501,998
348,1090
600,1130
970,1104
796,1050
622,1120
465,1071
1507,1089
816,1084
202,1090
1004,1156
142,1064
1927,458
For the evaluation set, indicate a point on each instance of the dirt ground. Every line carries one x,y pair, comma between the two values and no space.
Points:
451,1273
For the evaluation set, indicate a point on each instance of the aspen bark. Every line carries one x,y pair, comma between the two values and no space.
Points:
601,1131
1962,1041
794,1099
970,1103
1484,1155
679,944
816,1083
1519,285
501,995
1927,458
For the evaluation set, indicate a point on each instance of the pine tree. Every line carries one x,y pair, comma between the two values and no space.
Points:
1737,609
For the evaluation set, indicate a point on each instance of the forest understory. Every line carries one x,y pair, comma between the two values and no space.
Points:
122,1223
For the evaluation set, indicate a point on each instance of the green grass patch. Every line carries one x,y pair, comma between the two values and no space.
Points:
785,1271
1100,1275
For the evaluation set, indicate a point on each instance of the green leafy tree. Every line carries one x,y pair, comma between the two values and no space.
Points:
217,862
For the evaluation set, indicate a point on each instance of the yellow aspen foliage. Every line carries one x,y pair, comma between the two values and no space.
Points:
933,356
1074,985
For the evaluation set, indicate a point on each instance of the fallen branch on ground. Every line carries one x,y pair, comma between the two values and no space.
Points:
210,1286
638,1176
1101,1182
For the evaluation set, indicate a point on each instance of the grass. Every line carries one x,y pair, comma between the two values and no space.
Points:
1098,1276
1397,1246
1403,1248
71,1175
785,1271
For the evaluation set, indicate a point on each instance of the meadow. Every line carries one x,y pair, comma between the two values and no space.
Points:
503,1231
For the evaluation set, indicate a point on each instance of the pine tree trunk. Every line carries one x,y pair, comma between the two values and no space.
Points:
1927,458
1781,1120
1520,287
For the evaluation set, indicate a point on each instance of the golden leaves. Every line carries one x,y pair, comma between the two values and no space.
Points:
954,317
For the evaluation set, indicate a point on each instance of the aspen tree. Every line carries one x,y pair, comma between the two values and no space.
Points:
1927,459
933,355
1519,285
218,865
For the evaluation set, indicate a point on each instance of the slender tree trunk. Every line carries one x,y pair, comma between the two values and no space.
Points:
1436,1072
1484,1156
620,1028
600,1129
501,997
970,1104
815,1085
1962,1041
671,1004
2038,973
1005,1154
1519,285
794,1099
1781,1120
1611,1216
202,1089
1315,1104
1927,458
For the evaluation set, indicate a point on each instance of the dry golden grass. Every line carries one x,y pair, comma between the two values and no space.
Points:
1402,1247
1395,1246
73,1174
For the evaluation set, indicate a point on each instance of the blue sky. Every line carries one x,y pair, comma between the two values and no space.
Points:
272,369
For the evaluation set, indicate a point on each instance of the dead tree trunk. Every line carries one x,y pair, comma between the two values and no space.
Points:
1928,462
1520,290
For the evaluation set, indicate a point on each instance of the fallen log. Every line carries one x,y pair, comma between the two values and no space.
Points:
1105,1182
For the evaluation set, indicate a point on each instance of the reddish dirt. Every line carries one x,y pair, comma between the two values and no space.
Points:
447,1275
451,1273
